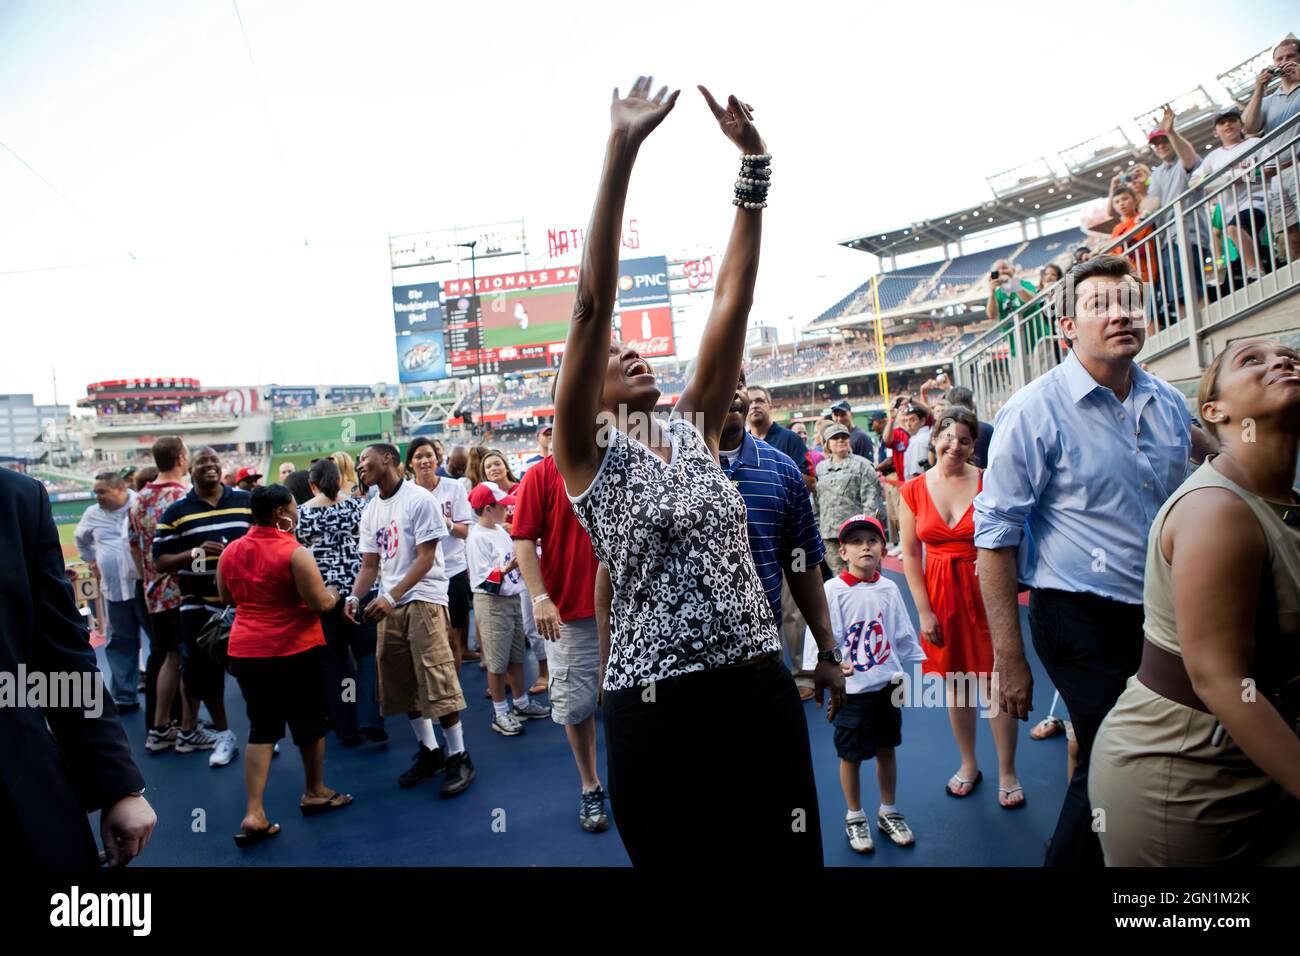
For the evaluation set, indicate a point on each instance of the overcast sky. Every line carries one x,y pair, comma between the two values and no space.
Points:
186,209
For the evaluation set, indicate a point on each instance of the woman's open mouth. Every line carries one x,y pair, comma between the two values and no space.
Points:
636,367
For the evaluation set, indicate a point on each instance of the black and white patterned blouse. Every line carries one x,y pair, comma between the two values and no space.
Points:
687,596
330,533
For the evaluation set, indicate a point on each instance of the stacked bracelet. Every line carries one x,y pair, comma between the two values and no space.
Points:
753,182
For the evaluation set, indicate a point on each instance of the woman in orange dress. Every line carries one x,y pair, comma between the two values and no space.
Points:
937,511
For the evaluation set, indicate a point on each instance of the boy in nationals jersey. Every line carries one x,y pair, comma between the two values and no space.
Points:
877,638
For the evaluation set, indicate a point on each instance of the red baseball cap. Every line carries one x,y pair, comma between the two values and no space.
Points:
544,429
1156,134
246,473
861,521
488,493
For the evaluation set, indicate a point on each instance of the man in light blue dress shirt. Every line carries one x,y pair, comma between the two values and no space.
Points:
1081,460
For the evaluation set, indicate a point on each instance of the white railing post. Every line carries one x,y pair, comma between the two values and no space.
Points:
1189,289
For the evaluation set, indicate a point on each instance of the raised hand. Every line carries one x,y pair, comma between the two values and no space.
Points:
638,113
736,120
1166,124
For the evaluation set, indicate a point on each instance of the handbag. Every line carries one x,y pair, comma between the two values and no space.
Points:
214,638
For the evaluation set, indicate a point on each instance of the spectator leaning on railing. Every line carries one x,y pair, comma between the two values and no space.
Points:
1244,220
1169,180
1266,113
1125,203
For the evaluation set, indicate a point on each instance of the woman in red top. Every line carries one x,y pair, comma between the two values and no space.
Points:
276,652
938,511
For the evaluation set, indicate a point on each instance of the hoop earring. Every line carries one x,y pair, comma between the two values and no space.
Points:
284,530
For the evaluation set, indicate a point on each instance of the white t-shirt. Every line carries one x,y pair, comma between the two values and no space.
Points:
875,634
917,454
487,548
392,528
452,502
1247,194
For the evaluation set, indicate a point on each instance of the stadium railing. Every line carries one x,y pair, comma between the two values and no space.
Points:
1027,343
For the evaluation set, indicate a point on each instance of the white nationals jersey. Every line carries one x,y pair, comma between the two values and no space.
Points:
876,635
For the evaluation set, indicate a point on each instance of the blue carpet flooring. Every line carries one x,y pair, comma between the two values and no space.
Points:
522,808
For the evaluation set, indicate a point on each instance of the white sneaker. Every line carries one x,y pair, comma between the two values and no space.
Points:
225,750
859,834
507,724
895,827
896,551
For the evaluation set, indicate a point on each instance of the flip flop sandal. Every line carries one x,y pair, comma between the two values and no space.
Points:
336,801
1008,791
1047,727
246,838
979,775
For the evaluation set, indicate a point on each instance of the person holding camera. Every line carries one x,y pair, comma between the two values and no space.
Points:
1005,294
1266,113
894,437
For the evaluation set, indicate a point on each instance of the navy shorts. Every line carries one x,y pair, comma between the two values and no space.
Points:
458,600
868,721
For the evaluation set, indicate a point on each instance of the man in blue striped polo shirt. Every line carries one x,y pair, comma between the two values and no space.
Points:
188,542
782,533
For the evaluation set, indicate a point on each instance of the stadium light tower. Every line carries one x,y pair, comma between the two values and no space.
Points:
478,322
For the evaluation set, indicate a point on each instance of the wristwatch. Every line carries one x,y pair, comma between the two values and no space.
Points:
833,655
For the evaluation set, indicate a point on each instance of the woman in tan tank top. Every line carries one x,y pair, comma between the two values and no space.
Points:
1199,762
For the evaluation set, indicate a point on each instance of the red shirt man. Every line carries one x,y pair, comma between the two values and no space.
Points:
563,591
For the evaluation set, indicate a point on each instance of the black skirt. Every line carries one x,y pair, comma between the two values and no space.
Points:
715,768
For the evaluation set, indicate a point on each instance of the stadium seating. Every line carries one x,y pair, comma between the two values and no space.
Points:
967,270
894,290
1046,249
907,352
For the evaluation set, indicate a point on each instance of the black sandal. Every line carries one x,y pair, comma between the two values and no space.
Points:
336,801
246,838
961,782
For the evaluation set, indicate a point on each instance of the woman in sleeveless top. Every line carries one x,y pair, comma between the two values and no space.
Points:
706,742
938,511
329,525
1198,763
275,652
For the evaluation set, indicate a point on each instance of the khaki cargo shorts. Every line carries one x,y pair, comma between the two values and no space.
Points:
417,670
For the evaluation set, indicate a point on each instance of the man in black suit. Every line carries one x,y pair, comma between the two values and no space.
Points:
57,762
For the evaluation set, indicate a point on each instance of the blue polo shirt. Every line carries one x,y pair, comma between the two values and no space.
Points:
790,444
778,510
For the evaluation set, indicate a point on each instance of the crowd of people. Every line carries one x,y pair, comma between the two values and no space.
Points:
665,565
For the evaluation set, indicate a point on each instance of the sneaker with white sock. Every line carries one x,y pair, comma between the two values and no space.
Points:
188,741
507,723
225,750
859,833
